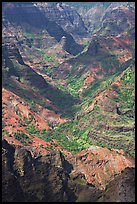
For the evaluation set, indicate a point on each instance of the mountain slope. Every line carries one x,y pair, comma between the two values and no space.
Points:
103,77
56,182
36,22
84,76
110,18
65,16
69,112
30,103
22,76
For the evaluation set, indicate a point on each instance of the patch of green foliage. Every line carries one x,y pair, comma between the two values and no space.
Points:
22,137
48,58
125,97
29,34
99,83
28,121
4,132
31,129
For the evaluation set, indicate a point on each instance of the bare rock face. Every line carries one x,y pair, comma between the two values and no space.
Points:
99,165
51,178
11,191
122,189
118,18
110,21
37,23
65,16
92,18
27,180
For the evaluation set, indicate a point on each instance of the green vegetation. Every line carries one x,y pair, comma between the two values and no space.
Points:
29,34
87,127
77,134
80,181
31,129
126,90
48,58
73,144
5,132
28,121
22,137
98,84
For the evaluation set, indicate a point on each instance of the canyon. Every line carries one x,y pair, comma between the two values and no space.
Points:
68,102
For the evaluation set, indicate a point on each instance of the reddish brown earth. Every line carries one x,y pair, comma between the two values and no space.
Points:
122,40
103,96
99,165
15,111
38,62
95,165
120,46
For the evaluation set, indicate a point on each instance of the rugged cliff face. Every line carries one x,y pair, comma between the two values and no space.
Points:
69,115
92,17
49,175
65,16
118,18
52,180
35,22
22,76
111,19
122,188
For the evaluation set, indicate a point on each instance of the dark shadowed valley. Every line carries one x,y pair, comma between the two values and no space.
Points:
68,101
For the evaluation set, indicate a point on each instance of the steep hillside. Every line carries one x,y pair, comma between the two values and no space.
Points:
110,18
103,77
119,190
92,18
25,82
104,55
29,103
65,16
118,18
96,77
36,28
58,181
68,101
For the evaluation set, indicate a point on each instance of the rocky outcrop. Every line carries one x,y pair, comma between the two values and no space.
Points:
122,189
99,165
49,186
111,19
35,22
92,18
52,177
49,177
65,16
118,18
